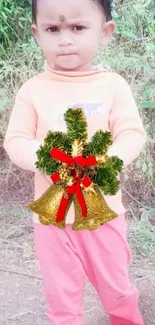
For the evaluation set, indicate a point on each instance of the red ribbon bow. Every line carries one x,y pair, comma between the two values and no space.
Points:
76,187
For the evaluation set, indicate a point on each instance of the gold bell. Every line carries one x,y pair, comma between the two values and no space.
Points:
48,204
98,212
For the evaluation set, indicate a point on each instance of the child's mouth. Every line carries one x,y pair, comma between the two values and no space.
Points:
67,54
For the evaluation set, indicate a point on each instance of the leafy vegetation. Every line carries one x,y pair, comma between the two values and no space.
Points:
15,21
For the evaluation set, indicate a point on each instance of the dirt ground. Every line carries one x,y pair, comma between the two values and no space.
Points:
21,289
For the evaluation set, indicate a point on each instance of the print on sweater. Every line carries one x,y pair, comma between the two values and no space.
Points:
91,109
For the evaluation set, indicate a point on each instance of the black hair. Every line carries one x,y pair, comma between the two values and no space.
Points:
107,8
34,11
105,4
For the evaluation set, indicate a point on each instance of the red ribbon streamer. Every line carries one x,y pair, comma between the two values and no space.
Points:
76,187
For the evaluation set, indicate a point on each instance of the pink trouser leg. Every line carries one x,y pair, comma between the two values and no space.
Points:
66,257
63,275
105,255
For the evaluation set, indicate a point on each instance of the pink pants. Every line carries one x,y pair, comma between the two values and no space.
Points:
68,257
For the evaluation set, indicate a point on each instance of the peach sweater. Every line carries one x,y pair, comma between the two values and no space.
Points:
39,107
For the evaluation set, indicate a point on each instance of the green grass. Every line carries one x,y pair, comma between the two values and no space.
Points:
142,238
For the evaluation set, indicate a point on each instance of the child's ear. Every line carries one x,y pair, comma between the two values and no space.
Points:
107,32
35,32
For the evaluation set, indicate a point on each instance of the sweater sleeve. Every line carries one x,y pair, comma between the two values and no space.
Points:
20,140
126,125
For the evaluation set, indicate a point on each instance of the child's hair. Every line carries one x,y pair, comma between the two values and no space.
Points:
105,4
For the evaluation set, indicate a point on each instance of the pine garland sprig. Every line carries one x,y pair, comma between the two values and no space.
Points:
99,143
45,162
110,188
58,140
76,125
114,163
106,176
106,180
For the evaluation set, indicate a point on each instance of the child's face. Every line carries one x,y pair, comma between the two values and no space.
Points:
69,32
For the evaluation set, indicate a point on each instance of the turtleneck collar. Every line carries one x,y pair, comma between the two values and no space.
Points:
77,76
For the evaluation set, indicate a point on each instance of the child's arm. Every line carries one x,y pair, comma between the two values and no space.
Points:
20,140
126,125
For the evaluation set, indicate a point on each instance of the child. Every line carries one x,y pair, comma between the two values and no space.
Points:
69,33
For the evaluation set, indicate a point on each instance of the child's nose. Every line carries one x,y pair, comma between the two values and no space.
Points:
65,39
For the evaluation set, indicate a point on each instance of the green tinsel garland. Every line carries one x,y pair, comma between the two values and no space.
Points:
105,175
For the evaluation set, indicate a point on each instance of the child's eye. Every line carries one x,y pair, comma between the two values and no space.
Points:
78,28
53,29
